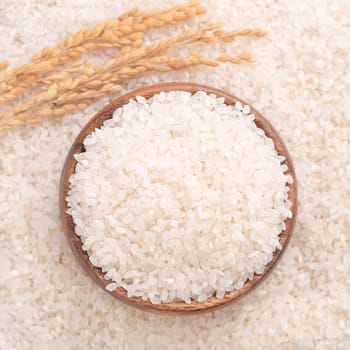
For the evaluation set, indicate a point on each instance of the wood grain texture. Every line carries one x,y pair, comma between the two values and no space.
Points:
172,308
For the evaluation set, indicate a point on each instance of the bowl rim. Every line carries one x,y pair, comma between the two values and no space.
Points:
171,308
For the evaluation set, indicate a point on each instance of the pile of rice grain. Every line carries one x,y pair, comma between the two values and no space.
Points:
301,81
179,197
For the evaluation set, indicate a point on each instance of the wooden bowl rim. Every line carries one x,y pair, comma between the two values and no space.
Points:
172,308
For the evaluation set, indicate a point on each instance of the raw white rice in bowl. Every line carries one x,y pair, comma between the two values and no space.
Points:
179,197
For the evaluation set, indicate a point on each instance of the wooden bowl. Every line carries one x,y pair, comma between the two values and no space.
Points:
173,308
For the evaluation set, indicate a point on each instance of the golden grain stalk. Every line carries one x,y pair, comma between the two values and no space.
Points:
78,84
126,30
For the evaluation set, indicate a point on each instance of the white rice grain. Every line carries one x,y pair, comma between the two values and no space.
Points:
313,119
188,178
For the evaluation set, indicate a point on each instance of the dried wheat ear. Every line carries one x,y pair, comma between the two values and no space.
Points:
68,83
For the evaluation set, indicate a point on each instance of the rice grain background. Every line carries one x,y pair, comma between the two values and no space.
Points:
301,83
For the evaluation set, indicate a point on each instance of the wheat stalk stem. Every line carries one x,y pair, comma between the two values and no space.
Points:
77,84
126,30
